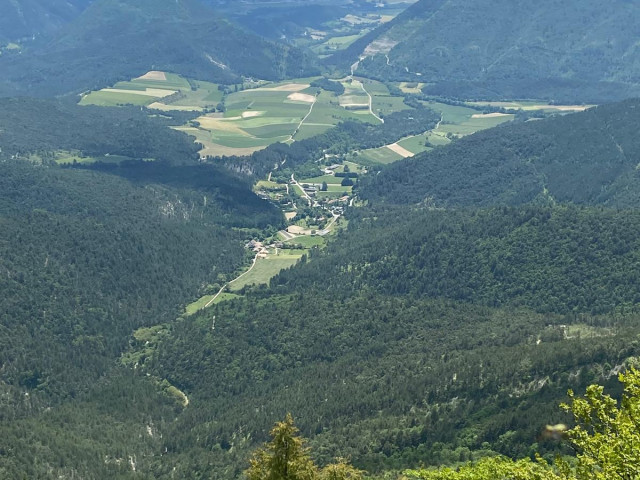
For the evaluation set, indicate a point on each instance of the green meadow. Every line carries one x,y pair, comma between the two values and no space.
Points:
265,270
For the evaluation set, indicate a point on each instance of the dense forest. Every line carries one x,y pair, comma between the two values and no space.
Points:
459,297
185,37
586,158
558,50
86,258
413,338
43,127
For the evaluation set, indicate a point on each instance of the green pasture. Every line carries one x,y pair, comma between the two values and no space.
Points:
437,140
330,179
415,144
202,302
532,105
472,125
307,241
330,194
382,155
339,189
335,44
265,270
116,99
311,130
198,304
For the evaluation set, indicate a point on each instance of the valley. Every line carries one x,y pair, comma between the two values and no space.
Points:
410,227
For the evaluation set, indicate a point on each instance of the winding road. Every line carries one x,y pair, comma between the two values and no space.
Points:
370,102
210,302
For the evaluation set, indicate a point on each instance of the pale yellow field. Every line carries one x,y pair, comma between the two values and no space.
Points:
406,89
154,75
252,114
170,108
490,115
209,148
221,125
147,92
289,87
400,150
302,97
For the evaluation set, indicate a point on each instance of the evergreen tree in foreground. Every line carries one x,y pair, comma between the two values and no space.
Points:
286,457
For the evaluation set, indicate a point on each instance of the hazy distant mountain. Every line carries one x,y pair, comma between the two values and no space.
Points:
119,39
562,49
26,18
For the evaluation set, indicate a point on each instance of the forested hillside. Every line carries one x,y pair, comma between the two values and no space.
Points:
424,336
87,256
586,158
120,39
576,50
36,17
42,127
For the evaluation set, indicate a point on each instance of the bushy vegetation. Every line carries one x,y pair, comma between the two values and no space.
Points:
605,438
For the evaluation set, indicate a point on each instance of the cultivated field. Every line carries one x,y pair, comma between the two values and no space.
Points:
153,87
456,121
257,117
532,106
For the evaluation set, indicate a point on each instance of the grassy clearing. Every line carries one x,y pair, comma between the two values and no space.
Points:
268,185
472,125
198,304
581,330
335,44
158,92
415,144
460,121
206,301
308,241
265,270
116,99
330,179
411,87
342,190
531,106
381,155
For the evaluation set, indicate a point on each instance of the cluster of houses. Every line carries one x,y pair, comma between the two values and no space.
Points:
261,250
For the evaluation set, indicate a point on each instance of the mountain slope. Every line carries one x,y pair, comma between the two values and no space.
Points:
27,18
563,50
585,158
120,39
389,348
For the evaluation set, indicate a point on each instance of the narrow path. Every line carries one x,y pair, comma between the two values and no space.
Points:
290,139
210,302
370,102
327,229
